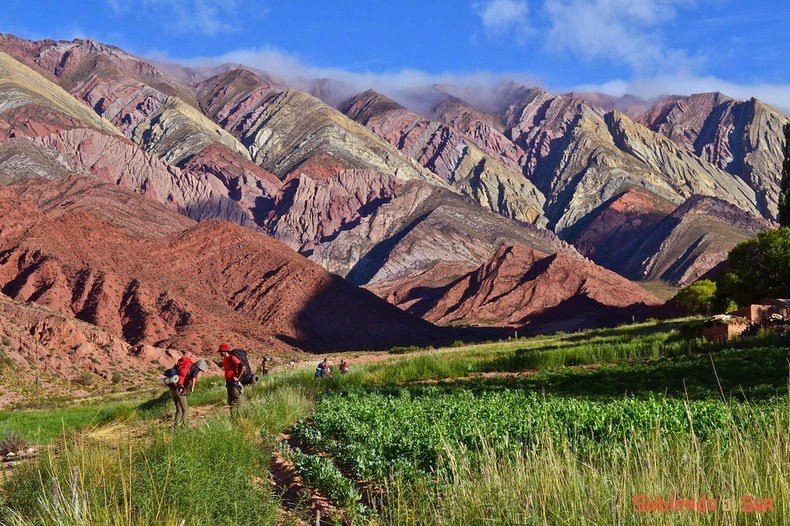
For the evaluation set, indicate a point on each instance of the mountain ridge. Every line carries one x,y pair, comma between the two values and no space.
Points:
388,197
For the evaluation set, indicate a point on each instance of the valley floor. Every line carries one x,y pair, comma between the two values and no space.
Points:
640,424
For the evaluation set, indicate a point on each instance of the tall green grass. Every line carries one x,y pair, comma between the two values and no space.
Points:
555,484
422,367
181,476
214,473
44,425
746,375
647,347
608,347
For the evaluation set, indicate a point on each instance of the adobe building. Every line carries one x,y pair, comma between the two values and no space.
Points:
724,327
759,312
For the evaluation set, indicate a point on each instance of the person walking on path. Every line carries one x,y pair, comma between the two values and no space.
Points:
234,369
323,370
187,372
264,366
181,367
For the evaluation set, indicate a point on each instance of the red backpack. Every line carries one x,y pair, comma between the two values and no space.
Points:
183,366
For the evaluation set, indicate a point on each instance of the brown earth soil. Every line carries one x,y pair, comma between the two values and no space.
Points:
296,498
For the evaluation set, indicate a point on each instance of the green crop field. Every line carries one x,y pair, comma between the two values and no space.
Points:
380,435
642,424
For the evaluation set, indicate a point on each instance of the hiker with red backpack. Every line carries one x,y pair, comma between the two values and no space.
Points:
181,380
235,369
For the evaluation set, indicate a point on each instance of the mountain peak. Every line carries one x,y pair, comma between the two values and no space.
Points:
363,106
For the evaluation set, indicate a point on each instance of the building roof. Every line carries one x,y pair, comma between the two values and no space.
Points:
779,302
726,319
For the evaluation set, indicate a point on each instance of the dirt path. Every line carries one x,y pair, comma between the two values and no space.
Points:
363,357
497,374
297,499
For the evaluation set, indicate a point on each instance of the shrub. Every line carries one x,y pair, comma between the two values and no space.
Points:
757,269
85,379
698,297
5,361
404,350
12,441
320,473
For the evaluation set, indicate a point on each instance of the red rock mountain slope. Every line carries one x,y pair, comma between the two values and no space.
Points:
136,269
521,287
691,241
43,350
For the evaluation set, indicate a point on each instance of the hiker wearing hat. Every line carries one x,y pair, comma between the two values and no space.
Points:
187,372
234,369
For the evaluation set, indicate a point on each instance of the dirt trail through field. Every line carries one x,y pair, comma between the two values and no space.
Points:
296,499
364,358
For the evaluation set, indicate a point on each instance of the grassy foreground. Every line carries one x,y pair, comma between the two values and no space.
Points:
614,426
134,470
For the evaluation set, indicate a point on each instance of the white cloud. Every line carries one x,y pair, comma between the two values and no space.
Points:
777,95
502,16
205,17
624,31
407,86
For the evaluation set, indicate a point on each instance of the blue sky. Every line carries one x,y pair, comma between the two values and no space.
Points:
640,46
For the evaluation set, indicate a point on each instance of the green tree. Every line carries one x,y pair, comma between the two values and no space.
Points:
698,297
784,191
759,268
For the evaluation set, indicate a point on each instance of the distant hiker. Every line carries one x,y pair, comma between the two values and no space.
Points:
181,380
265,366
323,370
343,367
234,369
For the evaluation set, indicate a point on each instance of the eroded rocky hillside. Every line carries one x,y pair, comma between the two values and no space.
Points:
521,287
393,199
101,254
